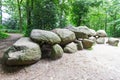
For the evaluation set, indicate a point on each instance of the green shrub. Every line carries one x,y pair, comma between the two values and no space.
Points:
3,35
10,31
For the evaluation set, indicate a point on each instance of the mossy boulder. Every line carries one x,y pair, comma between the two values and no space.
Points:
42,36
70,48
66,35
101,33
56,52
81,31
79,44
93,32
22,52
113,41
100,40
93,39
87,43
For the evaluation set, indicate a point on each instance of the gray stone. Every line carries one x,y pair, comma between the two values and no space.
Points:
87,43
101,33
81,31
100,40
113,41
93,32
93,39
23,52
66,35
43,36
80,45
70,48
56,52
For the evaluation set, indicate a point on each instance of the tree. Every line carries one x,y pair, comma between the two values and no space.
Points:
44,14
20,14
79,9
29,8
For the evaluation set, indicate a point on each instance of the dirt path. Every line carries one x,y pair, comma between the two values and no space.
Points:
5,43
101,63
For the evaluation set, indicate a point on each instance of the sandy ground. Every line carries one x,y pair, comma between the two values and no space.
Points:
101,63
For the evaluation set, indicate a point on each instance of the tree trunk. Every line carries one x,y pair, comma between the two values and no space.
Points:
29,7
115,17
79,21
19,11
106,22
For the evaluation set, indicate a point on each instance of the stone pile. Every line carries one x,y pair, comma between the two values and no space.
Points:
52,44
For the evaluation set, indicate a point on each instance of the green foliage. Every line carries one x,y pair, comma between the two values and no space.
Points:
50,14
44,15
10,31
79,9
11,23
3,35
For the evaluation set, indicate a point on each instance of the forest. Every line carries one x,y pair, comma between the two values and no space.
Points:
21,16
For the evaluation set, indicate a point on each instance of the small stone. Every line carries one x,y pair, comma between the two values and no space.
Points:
113,41
100,40
70,48
56,52
87,43
101,33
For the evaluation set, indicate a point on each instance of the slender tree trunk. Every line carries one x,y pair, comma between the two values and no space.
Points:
29,8
106,22
115,16
0,11
79,21
28,13
19,11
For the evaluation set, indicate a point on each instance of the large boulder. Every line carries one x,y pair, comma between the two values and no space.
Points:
43,36
93,32
23,52
101,33
70,48
100,40
93,39
79,44
87,43
56,52
113,41
81,31
66,35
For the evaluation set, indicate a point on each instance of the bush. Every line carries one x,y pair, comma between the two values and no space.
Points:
11,31
3,35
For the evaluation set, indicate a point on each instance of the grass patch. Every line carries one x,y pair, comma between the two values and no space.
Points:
3,35
11,31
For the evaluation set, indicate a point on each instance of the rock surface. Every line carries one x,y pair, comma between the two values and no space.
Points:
93,32
113,41
56,52
70,48
79,45
23,52
87,43
43,36
93,39
101,33
100,40
66,35
81,31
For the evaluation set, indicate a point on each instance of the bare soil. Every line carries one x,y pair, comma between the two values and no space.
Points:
100,63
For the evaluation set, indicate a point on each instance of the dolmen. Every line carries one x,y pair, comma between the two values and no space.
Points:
52,44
